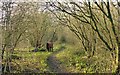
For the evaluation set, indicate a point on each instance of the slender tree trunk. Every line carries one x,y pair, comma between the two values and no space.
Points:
118,69
6,22
0,51
119,45
3,50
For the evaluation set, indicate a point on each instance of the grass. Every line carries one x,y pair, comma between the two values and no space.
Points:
33,61
25,61
76,60
72,57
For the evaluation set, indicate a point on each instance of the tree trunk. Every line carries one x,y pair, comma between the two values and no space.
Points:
118,68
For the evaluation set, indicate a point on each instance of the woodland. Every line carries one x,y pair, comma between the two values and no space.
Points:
85,37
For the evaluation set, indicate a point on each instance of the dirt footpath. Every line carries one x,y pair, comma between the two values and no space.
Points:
54,64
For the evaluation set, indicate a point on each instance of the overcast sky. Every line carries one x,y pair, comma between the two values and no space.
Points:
46,1
50,0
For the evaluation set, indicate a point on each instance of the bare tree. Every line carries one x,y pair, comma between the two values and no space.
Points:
97,19
14,26
7,33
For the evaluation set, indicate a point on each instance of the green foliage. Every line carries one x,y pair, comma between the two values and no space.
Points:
76,60
94,49
15,56
63,39
30,62
55,38
94,24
